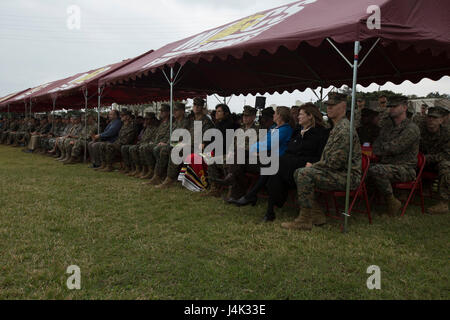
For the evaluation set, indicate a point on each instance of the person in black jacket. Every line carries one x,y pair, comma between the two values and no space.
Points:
223,122
306,146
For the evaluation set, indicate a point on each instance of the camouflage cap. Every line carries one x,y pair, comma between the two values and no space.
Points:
249,111
443,104
180,106
436,112
125,112
150,115
268,112
199,102
335,98
165,107
373,106
395,101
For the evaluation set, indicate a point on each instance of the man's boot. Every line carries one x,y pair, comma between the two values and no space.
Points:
138,171
66,158
154,181
302,222
144,171
133,170
214,190
108,168
393,205
102,166
440,208
166,183
72,160
126,169
62,156
317,215
149,173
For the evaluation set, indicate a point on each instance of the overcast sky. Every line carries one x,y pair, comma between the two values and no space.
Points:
37,46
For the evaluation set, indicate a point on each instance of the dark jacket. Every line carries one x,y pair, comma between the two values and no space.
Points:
309,147
111,131
222,126
300,150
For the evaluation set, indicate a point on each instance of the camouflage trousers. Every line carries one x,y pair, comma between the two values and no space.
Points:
381,176
4,136
443,170
134,155
78,147
164,165
310,179
146,154
15,137
48,143
68,146
109,151
125,150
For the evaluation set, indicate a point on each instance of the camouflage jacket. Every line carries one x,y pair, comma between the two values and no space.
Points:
127,134
206,124
245,144
335,154
76,130
398,144
149,134
162,133
435,146
87,131
182,124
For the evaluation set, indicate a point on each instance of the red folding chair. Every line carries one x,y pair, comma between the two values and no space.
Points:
361,191
413,186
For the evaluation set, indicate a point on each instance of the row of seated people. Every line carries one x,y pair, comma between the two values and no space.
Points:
312,154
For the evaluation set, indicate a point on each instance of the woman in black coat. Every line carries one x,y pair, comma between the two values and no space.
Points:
306,146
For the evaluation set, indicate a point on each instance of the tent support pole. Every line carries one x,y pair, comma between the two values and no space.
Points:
85,92
171,102
100,90
53,112
25,102
349,165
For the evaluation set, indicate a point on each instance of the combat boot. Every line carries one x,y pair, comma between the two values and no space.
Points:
66,158
62,156
144,171
317,215
214,191
393,205
102,166
133,171
108,168
138,172
302,222
440,208
72,160
126,169
154,181
166,183
149,173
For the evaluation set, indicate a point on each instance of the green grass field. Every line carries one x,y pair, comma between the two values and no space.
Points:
134,242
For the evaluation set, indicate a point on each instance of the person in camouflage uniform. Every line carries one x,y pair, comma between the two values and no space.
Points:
78,145
435,145
369,128
57,129
15,136
127,135
33,124
397,147
65,146
59,141
330,173
164,167
161,135
137,166
11,125
235,177
42,130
